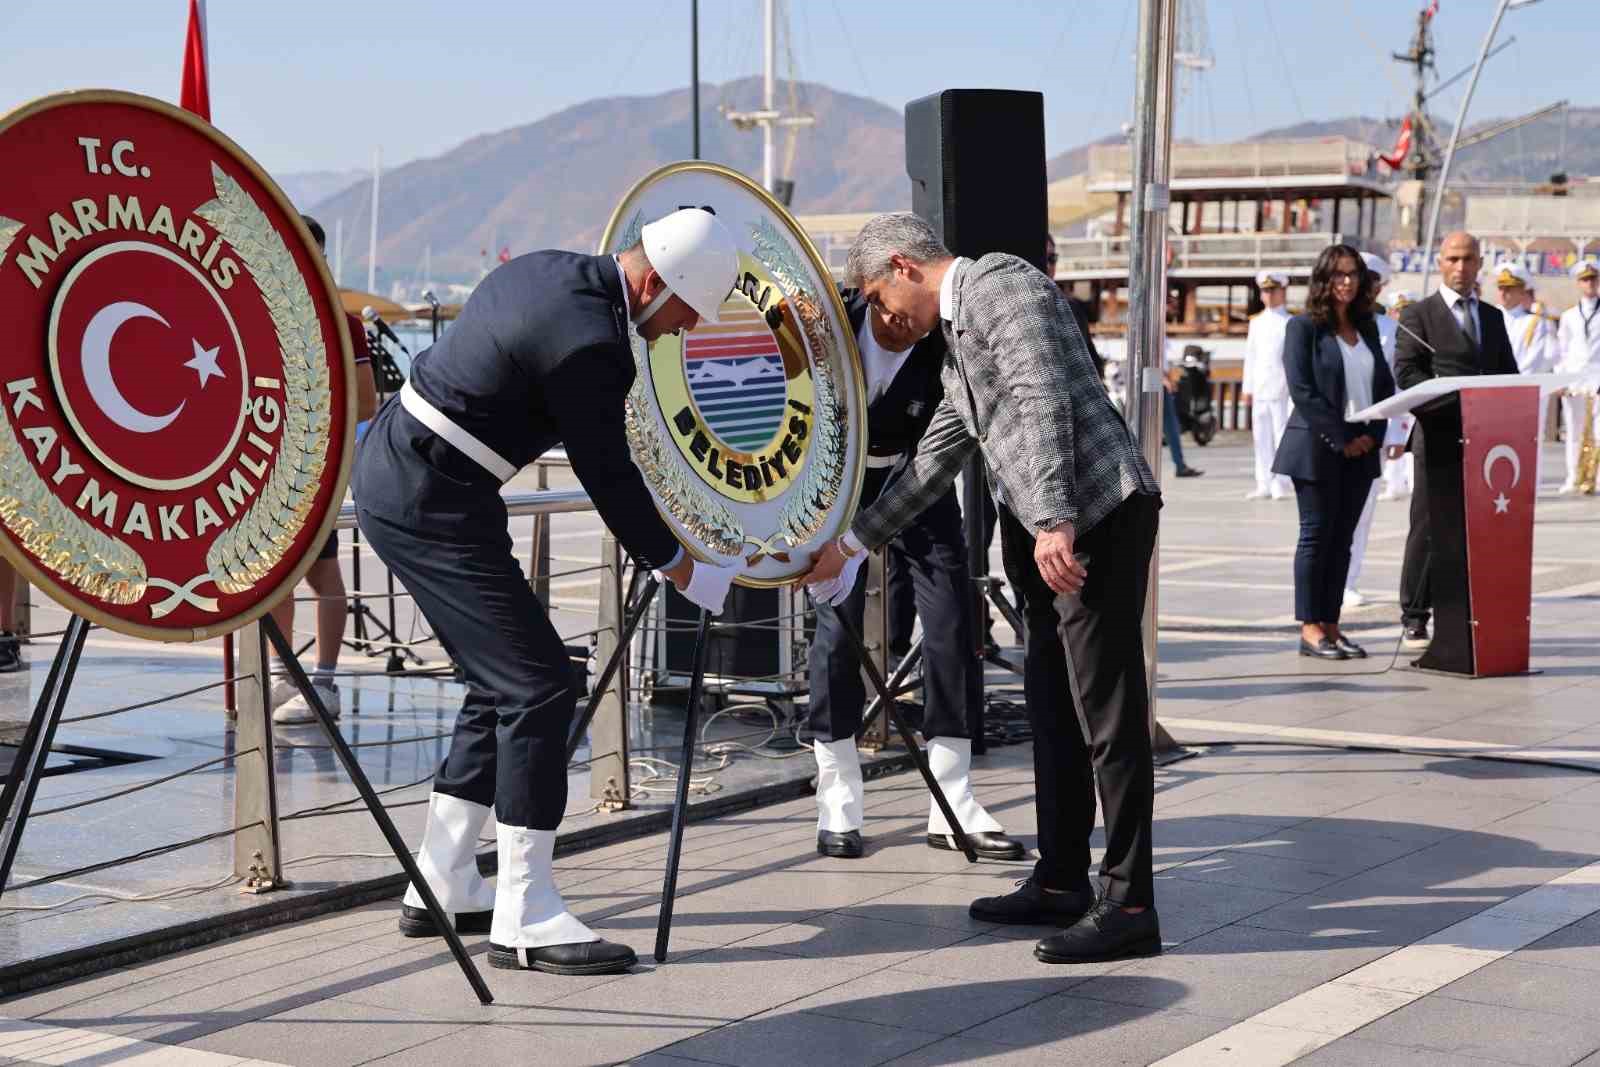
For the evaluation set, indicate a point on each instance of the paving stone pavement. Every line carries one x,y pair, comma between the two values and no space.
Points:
1420,885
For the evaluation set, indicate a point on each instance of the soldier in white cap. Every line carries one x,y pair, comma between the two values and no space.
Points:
1388,330
1266,388
1532,329
1579,342
1397,462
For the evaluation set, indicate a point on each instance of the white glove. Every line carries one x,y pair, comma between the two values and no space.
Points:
709,582
835,590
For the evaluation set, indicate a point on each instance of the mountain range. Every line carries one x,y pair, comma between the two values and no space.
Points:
554,182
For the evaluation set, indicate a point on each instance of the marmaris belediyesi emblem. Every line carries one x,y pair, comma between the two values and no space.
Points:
176,411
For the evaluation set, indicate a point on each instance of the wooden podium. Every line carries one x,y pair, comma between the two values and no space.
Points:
1482,461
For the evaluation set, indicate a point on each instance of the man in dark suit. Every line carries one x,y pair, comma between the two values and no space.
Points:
1451,333
903,390
542,354
1078,521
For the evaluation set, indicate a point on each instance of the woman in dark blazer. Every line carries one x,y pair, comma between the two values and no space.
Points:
1334,362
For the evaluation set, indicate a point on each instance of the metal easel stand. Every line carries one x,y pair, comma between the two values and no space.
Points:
347,757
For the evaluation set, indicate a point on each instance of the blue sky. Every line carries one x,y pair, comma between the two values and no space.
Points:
317,85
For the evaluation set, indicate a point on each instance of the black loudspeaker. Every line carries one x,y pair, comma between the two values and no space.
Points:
976,162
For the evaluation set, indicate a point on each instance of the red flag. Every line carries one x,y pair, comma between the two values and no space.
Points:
196,93
505,254
1433,9
1402,146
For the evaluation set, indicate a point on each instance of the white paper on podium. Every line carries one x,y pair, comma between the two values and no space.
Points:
1403,402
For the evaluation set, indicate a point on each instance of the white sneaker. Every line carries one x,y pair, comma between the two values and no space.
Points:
1567,489
1256,494
1388,494
1282,496
296,710
283,691
1354,599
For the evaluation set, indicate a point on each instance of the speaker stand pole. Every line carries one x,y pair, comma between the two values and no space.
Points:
341,748
680,807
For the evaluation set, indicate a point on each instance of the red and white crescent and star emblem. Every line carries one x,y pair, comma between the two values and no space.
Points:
175,401
1502,503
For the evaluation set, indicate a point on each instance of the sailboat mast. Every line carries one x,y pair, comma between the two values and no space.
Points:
372,239
770,37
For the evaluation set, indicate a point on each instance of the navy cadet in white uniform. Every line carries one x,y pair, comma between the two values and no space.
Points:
540,356
903,390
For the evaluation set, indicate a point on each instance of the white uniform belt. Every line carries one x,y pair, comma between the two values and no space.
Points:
878,462
464,442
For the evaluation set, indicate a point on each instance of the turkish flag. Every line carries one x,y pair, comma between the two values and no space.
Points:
1402,146
505,255
196,93
1499,469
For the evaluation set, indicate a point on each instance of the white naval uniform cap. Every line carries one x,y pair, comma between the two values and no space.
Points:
1584,267
1272,279
1512,273
1378,266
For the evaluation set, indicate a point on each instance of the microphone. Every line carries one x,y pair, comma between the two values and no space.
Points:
427,294
370,314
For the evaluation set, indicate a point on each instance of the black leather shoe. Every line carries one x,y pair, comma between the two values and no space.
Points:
991,846
1030,905
585,957
1349,648
1323,649
1190,472
416,922
844,846
1416,633
1106,932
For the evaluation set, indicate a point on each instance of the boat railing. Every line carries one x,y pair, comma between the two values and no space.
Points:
1258,251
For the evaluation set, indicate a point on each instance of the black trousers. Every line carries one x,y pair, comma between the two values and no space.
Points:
1416,589
931,553
1084,678
510,745
1330,511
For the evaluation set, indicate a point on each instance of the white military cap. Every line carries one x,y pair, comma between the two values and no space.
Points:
1377,265
1584,267
1272,279
1512,273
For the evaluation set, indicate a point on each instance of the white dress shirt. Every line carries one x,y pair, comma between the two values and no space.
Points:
1580,337
1358,365
1264,377
879,365
1453,301
947,291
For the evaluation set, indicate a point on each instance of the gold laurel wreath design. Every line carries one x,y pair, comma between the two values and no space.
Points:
65,544
805,510
243,554
709,521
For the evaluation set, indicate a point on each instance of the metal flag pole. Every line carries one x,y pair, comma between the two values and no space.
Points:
1455,136
1147,278
680,806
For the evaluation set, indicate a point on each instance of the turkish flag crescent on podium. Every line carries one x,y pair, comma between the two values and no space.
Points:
196,94
1500,465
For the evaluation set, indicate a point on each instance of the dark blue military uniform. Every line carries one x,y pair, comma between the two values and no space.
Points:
931,553
539,356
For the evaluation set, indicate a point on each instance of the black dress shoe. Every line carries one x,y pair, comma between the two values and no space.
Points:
1106,932
1190,472
1030,905
1349,648
1416,633
844,846
991,846
416,922
585,957
1323,649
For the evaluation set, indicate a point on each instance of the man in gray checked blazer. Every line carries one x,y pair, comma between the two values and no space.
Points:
1078,511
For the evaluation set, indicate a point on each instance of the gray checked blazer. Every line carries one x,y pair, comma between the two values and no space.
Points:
1020,387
